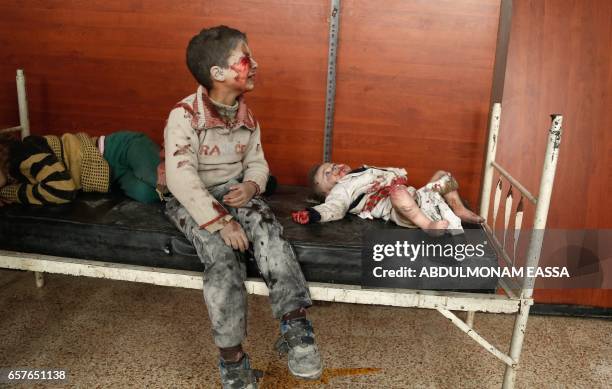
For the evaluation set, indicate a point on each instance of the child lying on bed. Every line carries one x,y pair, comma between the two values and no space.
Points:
371,192
42,170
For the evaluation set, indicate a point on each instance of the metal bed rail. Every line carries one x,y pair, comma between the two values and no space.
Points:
522,288
22,100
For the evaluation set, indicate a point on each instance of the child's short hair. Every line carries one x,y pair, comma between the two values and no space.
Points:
6,141
313,186
211,47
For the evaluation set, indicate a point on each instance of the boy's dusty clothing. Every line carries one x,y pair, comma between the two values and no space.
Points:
365,193
216,169
206,154
204,150
225,273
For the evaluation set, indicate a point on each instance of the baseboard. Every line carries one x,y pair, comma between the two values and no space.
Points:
571,310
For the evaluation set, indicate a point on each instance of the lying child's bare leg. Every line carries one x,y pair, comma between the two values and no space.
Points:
406,206
454,202
443,183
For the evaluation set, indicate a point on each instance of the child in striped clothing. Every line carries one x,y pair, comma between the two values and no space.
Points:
43,170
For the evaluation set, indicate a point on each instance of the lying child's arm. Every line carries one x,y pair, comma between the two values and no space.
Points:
334,208
49,180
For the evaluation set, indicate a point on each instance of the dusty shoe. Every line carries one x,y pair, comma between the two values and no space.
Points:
239,375
297,340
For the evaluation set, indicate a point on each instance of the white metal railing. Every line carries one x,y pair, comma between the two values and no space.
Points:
514,182
22,100
523,288
24,120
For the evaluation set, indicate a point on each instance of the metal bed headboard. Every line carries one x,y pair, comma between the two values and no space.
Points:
524,289
24,121
541,201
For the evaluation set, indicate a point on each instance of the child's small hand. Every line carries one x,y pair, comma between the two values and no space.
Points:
240,194
3,179
301,217
234,236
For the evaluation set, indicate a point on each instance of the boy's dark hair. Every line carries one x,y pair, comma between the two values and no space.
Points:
211,47
311,183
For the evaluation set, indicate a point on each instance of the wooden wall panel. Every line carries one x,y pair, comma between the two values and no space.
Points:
110,65
423,67
559,61
414,84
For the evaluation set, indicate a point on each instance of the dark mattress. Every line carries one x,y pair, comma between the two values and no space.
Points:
113,228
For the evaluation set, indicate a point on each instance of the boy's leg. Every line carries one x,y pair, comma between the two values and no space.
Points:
225,298
445,184
275,257
223,278
404,204
289,295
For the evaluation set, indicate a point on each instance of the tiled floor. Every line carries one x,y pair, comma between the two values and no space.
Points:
119,334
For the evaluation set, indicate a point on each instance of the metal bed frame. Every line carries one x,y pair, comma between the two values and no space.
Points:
517,294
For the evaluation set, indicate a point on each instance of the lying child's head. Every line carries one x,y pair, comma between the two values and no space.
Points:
219,57
323,177
6,140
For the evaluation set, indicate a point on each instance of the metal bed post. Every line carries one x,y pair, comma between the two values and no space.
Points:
535,244
22,99
487,180
24,127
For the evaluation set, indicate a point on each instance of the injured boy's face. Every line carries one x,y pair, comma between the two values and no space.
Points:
327,175
242,68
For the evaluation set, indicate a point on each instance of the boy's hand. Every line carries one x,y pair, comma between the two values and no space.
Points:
240,194
234,236
301,217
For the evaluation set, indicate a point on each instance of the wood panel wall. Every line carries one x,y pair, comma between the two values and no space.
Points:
106,65
414,85
413,76
559,61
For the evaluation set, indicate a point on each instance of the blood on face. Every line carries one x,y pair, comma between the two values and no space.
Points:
242,69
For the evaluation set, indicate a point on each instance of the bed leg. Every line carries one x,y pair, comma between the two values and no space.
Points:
516,346
40,279
469,319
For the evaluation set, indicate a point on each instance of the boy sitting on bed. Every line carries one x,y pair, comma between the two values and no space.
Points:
215,168
371,192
